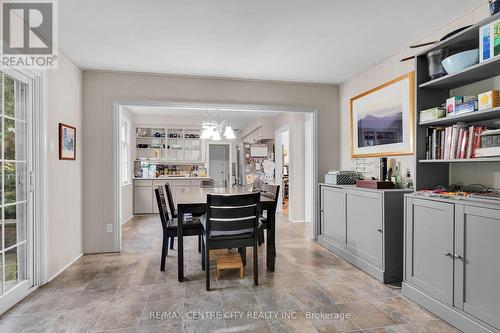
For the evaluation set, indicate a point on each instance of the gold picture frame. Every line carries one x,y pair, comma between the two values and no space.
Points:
398,86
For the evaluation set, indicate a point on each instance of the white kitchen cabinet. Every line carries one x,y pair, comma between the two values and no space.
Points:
143,200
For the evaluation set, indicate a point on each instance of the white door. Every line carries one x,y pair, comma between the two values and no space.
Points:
16,196
218,163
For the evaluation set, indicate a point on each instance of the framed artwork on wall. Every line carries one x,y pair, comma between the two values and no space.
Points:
382,119
67,142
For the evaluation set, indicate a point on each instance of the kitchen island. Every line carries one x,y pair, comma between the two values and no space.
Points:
144,194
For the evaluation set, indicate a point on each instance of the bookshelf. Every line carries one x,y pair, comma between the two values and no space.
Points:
431,93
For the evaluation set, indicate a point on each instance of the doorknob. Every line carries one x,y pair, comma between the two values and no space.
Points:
448,254
379,230
457,256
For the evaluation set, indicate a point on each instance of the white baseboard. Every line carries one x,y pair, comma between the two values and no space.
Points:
130,218
64,268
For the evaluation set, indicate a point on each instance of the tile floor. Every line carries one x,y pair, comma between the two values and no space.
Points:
127,293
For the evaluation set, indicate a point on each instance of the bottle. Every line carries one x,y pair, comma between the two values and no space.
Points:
408,180
397,177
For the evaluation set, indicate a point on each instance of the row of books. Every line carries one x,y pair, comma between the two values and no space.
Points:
454,142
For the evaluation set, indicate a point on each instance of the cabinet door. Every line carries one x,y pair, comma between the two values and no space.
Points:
477,263
143,200
333,220
429,247
364,226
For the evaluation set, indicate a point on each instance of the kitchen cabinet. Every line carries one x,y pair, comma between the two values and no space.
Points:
452,262
365,227
259,134
143,200
144,192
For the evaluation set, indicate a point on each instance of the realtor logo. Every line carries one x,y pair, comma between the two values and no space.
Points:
29,33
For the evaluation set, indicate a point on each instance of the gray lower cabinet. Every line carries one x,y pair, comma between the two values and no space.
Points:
365,227
452,261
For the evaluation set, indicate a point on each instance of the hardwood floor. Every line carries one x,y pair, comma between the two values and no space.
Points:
127,293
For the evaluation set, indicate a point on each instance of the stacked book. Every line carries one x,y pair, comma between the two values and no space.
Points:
454,142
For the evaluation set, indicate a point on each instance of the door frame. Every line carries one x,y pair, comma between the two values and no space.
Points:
229,146
117,104
278,135
37,180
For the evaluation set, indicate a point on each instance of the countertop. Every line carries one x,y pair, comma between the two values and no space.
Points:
354,187
173,178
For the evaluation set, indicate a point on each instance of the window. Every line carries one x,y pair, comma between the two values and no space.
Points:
125,152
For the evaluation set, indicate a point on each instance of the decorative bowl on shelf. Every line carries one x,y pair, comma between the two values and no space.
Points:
460,61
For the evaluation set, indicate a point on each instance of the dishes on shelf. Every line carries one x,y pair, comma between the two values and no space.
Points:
460,61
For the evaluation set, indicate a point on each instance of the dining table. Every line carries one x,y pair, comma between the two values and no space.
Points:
194,200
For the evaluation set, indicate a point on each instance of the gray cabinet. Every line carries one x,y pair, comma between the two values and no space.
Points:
365,227
452,260
429,248
477,264
143,200
333,211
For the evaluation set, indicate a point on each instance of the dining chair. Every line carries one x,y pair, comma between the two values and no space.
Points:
272,192
169,225
231,221
173,212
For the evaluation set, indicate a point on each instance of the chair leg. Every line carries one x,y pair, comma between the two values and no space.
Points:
199,243
171,243
207,266
243,253
164,252
202,255
261,236
255,264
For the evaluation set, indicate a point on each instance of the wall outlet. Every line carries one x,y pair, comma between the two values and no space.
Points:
109,227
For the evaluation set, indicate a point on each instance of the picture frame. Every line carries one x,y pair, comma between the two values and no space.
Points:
382,119
67,142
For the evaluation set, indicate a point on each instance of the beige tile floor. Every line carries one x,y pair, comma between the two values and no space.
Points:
127,293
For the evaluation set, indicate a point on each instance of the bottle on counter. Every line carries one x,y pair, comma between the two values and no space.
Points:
397,177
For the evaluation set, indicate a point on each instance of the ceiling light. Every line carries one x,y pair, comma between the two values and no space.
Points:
216,136
229,133
207,132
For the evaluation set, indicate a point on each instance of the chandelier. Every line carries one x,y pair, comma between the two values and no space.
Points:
214,130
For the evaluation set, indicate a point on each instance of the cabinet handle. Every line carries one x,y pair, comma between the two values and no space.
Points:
321,210
379,230
448,254
459,257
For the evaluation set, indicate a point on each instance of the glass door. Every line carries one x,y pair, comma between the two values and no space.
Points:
16,201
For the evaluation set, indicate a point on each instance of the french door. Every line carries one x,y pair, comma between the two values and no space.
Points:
16,195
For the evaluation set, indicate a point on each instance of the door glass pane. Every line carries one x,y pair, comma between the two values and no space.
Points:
15,142
15,224
15,266
15,182
10,98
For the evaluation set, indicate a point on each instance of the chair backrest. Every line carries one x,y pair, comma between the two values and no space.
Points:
270,191
170,199
162,206
232,214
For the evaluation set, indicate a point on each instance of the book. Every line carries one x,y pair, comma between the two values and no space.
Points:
447,146
463,145
470,143
459,142
454,139
477,140
442,144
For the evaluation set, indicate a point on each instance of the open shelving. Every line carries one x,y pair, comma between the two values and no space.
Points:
431,93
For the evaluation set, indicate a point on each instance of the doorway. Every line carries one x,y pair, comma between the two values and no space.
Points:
218,164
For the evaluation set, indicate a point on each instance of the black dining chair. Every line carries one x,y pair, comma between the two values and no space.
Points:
272,192
169,225
231,221
173,213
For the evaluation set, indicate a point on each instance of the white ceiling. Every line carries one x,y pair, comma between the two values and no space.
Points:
292,40
237,119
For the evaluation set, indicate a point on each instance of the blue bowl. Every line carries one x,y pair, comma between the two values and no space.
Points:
460,61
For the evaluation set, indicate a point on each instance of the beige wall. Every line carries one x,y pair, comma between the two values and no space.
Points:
64,225
101,89
380,73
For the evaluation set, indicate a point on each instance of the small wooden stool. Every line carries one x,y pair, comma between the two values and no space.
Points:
229,261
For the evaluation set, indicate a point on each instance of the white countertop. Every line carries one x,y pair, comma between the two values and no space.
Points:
173,178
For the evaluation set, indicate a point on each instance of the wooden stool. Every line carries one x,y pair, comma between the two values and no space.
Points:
229,261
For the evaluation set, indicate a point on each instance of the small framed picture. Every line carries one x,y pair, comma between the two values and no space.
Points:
67,142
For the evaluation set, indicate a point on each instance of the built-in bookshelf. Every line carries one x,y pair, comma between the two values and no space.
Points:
432,172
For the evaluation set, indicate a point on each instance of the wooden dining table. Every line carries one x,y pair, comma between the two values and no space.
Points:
194,200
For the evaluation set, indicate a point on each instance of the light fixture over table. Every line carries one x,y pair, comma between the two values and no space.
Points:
213,130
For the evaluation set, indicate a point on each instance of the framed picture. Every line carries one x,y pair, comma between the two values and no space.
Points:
382,119
67,142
